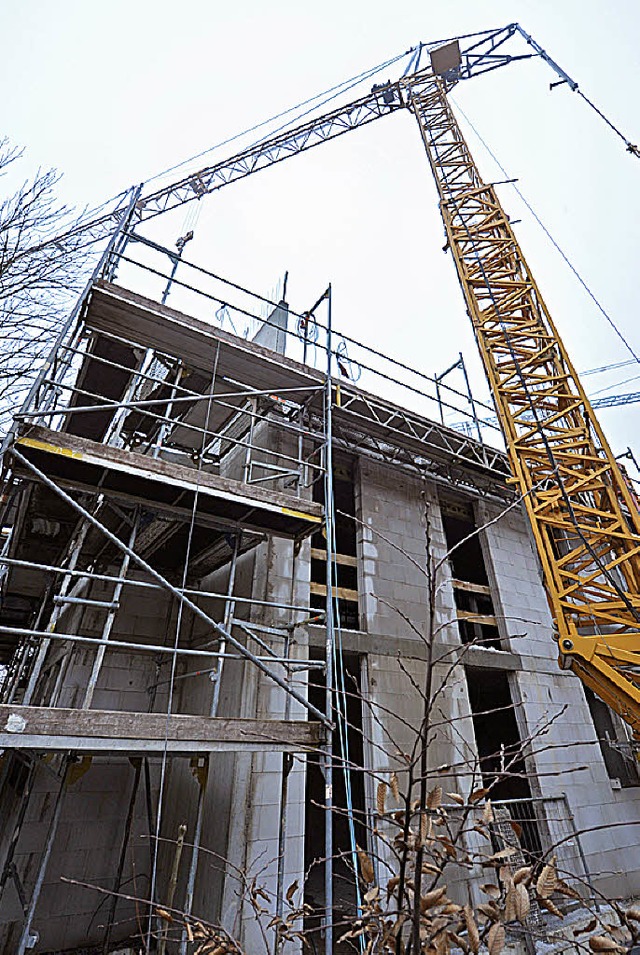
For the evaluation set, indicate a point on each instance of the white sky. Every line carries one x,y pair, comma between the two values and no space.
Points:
112,94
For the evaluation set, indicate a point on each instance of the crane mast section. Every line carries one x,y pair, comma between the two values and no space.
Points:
585,522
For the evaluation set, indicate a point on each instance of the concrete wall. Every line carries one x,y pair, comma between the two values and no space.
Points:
241,817
567,759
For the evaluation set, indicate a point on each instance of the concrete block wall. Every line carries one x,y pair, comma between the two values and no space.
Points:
392,511
86,848
567,758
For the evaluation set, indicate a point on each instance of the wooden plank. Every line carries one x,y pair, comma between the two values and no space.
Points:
345,559
480,618
471,588
52,728
343,593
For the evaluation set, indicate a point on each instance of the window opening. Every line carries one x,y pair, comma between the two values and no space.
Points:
472,594
498,741
614,742
344,887
346,571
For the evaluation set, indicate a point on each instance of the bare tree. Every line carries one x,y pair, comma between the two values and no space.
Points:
38,276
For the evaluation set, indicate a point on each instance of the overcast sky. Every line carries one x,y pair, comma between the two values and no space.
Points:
113,94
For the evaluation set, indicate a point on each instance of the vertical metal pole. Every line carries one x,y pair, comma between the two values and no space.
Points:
583,858
44,861
109,622
439,399
22,811
173,884
471,401
287,761
329,641
201,775
44,646
253,411
229,608
137,763
165,427
74,315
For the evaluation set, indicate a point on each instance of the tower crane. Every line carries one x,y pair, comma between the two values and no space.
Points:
585,522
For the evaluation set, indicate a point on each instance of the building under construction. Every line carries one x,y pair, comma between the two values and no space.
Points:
218,614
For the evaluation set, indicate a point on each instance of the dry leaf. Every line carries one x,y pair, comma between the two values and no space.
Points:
451,908
517,828
510,912
424,828
522,874
291,891
567,890
393,784
495,939
432,898
491,890
478,794
472,930
372,894
434,799
487,813
551,907
381,797
366,866
490,910
164,915
522,901
189,931
633,913
392,885
459,941
546,882
600,943
456,798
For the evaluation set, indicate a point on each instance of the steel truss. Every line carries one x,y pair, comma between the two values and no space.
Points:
585,522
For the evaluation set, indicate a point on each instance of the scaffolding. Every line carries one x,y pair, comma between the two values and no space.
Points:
157,453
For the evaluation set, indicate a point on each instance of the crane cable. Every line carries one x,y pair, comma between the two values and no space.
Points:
331,93
630,146
555,244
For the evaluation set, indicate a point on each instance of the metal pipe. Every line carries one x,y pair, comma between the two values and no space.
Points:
583,857
210,594
109,622
25,937
329,643
137,764
471,401
74,315
191,396
286,764
201,774
142,647
76,547
182,598
229,608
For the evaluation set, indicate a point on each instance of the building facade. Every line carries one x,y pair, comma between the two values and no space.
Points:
164,619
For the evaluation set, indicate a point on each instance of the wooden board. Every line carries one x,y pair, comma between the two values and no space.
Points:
51,728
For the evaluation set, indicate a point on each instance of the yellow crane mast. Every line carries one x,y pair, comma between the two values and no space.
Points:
585,521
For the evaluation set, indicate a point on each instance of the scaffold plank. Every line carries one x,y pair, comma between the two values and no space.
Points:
77,461
95,731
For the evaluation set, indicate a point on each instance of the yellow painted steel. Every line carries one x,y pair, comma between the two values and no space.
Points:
584,519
